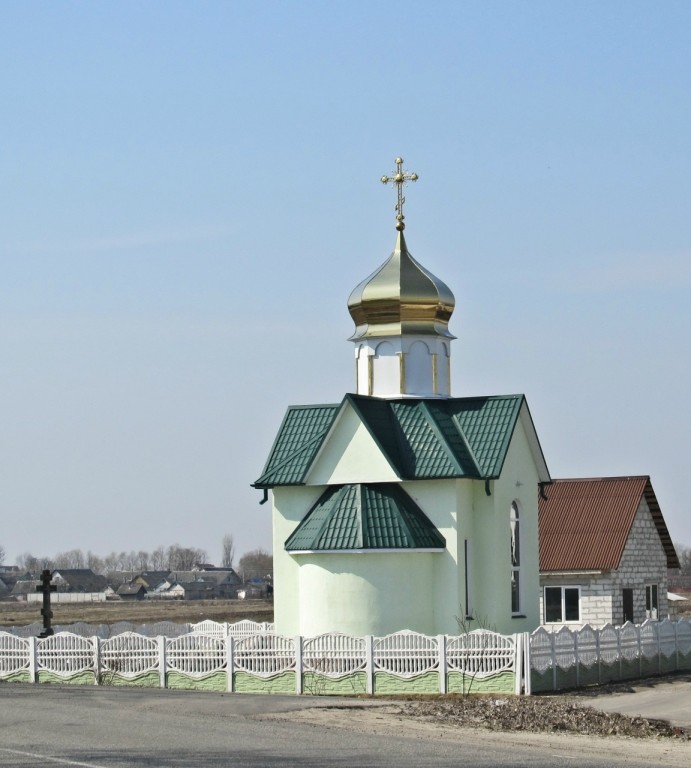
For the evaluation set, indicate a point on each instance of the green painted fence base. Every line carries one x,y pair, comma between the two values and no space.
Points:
457,682
145,680
81,678
319,685
243,682
385,683
216,681
16,677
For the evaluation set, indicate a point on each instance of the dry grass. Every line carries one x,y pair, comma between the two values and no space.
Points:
144,612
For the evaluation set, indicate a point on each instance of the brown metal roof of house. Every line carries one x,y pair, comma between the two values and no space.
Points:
584,523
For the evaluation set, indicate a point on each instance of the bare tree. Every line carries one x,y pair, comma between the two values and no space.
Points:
96,563
2,554
684,555
256,564
74,558
159,559
184,558
227,551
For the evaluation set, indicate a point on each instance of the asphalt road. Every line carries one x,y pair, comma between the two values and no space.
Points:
663,698
124,727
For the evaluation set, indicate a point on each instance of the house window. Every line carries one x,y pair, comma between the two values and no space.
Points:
562,604
515,560
651,601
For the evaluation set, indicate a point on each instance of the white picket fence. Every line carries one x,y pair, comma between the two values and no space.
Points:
571,658
238,629
403,655
543,660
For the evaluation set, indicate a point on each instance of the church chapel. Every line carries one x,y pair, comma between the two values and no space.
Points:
403,507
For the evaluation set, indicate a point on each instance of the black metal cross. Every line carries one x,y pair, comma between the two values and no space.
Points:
46,587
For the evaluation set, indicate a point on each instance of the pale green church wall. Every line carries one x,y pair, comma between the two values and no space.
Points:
290,504
350,456
448,504
371,593
492,550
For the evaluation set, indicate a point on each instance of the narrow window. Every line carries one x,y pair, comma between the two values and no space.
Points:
468,580
627,604
651,607
515,560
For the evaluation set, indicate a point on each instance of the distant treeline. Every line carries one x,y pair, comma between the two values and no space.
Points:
170,558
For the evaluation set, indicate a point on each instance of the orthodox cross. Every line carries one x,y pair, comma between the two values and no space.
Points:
399,178
46,587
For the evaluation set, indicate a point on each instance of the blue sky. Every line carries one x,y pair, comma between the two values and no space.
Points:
190,192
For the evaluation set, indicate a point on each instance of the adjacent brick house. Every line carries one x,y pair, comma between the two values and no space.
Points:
604,552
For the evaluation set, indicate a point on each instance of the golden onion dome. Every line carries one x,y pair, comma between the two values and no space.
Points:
401,297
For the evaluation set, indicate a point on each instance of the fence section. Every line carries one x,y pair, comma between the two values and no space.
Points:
587,656
404,662
243,628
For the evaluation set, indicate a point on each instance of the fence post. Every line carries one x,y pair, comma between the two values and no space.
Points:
33,665
162,662
676,646
441,643
659,648
576,659
97,660
527,665
639,647
369,663
298,664
518,663
619,656
230,662
553,656
599,657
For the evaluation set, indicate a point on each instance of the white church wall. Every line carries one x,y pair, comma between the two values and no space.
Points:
350,455
290,504
518,482
367,593
448,504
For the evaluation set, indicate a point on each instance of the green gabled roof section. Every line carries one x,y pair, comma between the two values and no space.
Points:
488,424
365,516
301,434
421,438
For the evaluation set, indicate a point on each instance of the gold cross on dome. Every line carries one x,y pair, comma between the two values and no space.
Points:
399,178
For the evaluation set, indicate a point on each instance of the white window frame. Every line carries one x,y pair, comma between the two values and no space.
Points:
562,588
652,606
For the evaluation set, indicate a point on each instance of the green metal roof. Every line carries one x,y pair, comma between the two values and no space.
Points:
376,516
298,440
422,439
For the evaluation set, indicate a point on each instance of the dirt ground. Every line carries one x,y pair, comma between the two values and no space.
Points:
397,718
535,714
139,612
